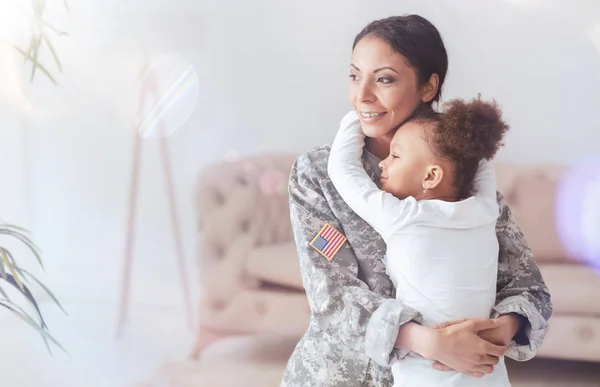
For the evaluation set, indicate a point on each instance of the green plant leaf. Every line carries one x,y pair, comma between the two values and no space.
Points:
26,275
2,269
35,63
25,317
39,6
4,294
35,56
22,276
15,227
11,261
56,30
29,50
27,294
39,37
52,51
46,290
25,240
47,344
35,4
14,305
5,259
43,325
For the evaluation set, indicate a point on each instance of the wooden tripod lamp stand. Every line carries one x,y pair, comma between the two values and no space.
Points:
153,104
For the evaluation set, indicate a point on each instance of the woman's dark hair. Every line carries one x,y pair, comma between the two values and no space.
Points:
417,40
465,133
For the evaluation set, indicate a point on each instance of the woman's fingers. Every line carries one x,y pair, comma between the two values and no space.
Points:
441,367
481,324
475,374
460,348
490,360
449,323
495,350
484,369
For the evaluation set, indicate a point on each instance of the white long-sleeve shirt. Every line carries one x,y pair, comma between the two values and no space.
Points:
441,256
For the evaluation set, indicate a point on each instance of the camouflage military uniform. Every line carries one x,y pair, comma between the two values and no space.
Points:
355,316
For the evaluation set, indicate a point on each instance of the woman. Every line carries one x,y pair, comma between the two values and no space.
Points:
357,328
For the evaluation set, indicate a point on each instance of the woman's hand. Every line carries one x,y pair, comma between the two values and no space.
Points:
456,346
502,334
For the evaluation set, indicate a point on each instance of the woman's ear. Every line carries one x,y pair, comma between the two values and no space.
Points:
433,177
430,88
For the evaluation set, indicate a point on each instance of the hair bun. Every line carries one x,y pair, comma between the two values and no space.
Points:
473,129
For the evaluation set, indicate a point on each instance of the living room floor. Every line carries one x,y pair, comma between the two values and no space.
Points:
148,357
259,362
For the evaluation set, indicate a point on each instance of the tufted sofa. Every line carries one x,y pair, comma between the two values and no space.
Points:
246,254
574,331
250,276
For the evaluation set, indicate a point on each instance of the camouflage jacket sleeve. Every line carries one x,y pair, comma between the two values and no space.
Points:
342,305
521,288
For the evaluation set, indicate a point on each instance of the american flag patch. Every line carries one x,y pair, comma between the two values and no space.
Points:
328,241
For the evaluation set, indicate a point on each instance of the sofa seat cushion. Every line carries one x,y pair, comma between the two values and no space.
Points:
257,311
275,264
531,194
575,289
573,338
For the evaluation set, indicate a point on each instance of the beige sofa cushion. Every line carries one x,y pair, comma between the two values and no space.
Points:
575,289
573,338
531,195
276,264
236,213
256,311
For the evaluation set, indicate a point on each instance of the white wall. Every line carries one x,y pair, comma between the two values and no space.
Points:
273,77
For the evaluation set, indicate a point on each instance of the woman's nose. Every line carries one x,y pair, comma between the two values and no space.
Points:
365,94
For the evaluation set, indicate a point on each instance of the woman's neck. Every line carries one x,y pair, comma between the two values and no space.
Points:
379,147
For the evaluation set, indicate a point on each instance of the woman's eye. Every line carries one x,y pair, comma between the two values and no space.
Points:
353,77
385,80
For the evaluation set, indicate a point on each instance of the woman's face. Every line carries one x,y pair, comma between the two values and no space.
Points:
384,89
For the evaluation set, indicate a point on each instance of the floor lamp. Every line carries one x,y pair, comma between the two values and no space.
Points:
148,92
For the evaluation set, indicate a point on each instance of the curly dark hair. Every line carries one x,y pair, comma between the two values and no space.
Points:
464,133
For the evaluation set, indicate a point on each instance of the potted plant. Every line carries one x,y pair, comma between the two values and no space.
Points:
12,275
41,36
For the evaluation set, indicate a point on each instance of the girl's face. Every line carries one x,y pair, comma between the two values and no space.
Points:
404,170
384,89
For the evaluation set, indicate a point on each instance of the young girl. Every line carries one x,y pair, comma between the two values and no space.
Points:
436,211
